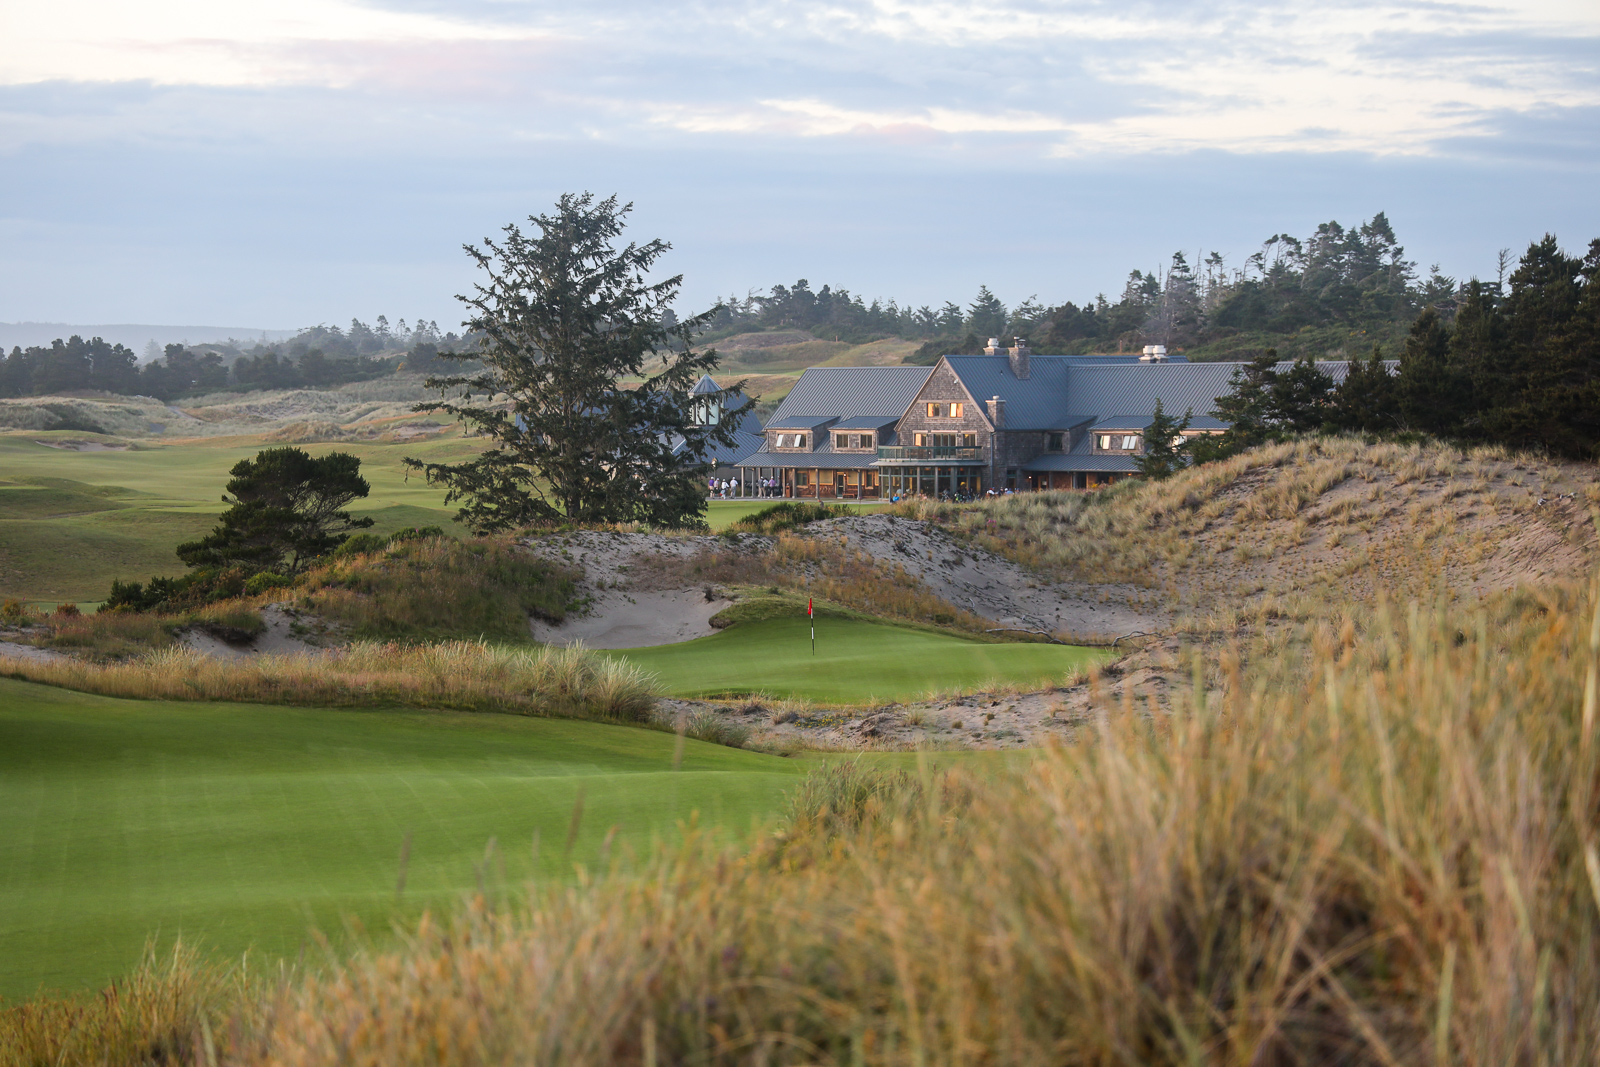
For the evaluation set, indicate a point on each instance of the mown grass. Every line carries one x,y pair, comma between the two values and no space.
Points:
242,826
83,518
1387,854
856,662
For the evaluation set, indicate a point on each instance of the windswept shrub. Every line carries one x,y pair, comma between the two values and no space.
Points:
786,516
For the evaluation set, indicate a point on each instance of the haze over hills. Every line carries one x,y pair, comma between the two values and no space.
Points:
133,335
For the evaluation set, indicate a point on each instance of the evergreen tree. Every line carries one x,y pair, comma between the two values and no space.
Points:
565,318
287,509
986,316
1298,398
1165,448
1366,400
1431,392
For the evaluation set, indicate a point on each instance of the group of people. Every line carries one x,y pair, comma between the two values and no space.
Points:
731,488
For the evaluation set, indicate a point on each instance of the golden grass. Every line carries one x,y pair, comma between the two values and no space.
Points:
465,675
1385,853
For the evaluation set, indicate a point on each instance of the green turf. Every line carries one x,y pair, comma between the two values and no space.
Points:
856,662
72,521
720,514
243,825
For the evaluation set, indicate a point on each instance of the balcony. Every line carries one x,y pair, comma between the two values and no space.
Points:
930,454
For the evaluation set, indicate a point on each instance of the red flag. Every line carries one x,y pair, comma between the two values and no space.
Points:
808,608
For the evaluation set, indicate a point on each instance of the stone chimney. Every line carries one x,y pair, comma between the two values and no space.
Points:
993,348
1019,353
997,413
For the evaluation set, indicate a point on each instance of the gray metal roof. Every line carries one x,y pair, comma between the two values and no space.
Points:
1139,422
798,422
852,392
867,422
705,385
1038,402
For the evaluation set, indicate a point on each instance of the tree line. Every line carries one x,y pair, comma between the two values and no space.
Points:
316,357
1338,288
1515,362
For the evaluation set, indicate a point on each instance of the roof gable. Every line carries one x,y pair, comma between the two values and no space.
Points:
851,393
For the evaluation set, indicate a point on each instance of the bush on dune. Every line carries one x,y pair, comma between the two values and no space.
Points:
1390,857
438,587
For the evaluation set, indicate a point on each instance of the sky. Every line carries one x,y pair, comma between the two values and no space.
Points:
280,165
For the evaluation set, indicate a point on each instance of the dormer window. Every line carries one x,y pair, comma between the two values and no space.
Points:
841,441
1111,442
791,440
1056,443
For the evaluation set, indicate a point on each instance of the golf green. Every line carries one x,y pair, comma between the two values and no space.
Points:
855,662
243,826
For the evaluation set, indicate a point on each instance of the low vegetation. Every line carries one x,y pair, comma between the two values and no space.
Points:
1304,526
434,587
1387,858
465,675
786,516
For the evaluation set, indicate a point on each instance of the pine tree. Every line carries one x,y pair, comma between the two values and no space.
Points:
1366,400
565,317
1165,448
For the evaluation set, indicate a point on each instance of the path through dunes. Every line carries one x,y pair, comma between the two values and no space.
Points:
242,826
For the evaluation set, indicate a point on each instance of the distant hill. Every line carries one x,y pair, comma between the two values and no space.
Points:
132,335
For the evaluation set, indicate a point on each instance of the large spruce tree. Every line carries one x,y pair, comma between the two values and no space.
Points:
580,429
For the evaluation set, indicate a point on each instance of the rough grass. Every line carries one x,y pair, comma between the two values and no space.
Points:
464,675
438,588
1388,857
1324,519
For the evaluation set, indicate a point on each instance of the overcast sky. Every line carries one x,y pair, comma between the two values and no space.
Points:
276,165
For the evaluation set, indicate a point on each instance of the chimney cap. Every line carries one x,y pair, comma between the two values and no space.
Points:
994,342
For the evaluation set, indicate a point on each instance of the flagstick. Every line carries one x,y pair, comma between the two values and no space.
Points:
812,614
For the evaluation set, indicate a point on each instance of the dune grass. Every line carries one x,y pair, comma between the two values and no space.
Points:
856,662
462,675
240,826
1383,854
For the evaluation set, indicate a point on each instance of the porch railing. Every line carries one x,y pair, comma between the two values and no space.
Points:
930,452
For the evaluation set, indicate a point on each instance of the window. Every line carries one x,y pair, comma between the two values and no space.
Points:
922,440
1130,441
791,440
944,440
864,441
1102,441
957,410
946,411
1057,443
935,411
841,440
969,440
802,477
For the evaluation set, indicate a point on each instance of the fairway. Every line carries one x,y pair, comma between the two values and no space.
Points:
856,662
243,826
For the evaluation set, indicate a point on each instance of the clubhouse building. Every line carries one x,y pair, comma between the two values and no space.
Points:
1007,419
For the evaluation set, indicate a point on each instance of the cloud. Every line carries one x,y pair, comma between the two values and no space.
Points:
1051,78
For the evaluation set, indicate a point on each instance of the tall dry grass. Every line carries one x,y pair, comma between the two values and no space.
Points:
1390,857
464,675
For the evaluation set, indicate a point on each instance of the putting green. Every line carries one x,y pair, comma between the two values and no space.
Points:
243,826
856,662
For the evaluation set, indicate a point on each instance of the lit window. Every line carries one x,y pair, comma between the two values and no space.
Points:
1130,441
957,410
935,411
922,440
1103,441
969,440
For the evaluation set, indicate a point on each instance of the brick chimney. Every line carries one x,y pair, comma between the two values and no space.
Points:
1019,353
997,413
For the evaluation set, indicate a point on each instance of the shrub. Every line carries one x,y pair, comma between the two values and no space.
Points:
67,610
15,612
786,516
266,580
